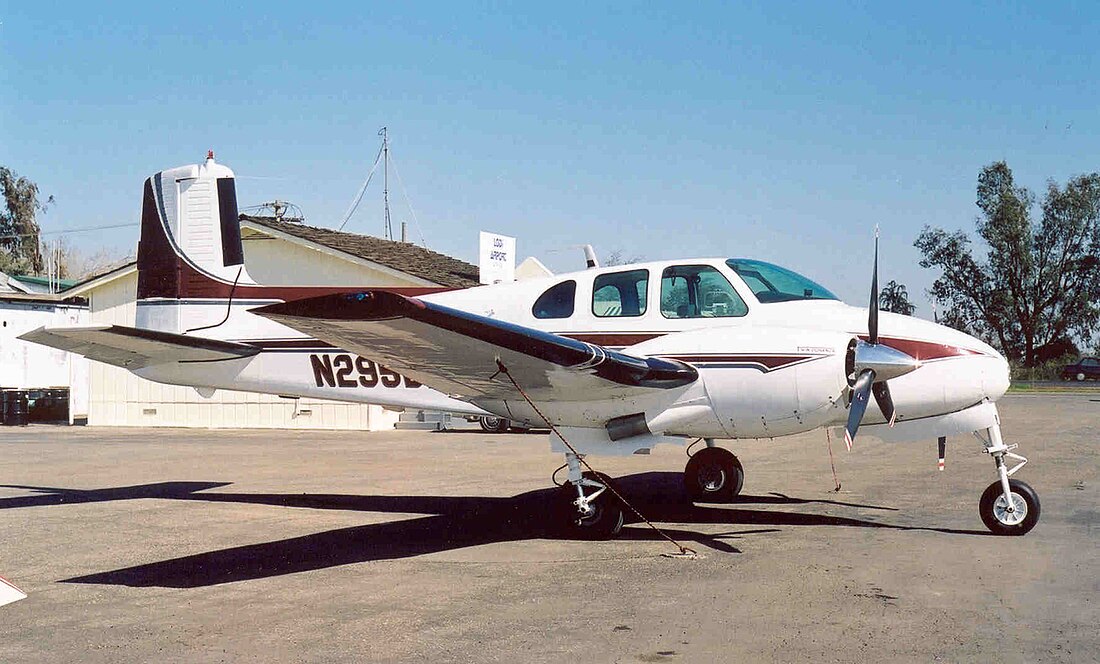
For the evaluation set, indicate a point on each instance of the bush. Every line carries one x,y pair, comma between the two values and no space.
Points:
1050,370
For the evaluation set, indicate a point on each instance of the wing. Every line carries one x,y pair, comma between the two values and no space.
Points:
134,348
457,352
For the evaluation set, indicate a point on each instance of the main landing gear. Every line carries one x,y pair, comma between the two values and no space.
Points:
1007,507
589,509
713,475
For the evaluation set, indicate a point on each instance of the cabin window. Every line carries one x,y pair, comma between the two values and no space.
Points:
698,291
556,302
620,293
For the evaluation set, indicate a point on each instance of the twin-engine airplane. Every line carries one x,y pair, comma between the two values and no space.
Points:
617,359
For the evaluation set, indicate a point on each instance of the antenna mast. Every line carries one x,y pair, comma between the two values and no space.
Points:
386,179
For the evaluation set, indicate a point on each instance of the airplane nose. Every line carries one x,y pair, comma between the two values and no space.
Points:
997,377
1004,378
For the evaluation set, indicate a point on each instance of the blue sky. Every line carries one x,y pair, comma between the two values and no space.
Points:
776,131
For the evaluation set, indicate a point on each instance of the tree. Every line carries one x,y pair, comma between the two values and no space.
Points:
895,298
18,227
616,258
1039,285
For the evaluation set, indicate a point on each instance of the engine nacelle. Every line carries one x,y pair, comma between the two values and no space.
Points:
766,382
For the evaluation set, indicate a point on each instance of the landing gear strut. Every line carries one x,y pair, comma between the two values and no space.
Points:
713,475
588,509
1007,507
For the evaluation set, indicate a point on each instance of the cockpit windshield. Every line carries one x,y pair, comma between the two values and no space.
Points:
771,283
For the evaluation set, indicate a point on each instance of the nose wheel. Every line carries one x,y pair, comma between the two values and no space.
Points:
713,475
1007,507
1014,515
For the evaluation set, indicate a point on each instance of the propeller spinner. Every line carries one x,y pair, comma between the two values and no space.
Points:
870,364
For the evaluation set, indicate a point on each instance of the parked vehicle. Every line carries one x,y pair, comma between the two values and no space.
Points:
1086,367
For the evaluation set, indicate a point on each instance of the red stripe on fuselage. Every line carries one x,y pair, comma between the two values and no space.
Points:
611,339
766,363
924,350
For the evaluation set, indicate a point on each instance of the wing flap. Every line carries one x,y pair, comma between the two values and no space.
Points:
134,348
458,352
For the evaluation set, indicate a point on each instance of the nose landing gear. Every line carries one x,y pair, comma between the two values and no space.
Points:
1007,507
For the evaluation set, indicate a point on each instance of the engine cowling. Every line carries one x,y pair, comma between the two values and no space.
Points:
763,382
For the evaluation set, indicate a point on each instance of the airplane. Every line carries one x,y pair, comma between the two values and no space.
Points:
614,360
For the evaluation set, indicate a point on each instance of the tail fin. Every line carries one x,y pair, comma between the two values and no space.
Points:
190,245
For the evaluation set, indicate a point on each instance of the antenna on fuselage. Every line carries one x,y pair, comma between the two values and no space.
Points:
590,259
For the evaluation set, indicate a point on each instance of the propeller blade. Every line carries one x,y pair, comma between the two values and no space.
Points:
861,392
872,309
885,401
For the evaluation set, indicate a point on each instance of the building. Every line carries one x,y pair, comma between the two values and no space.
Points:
30,367
276,253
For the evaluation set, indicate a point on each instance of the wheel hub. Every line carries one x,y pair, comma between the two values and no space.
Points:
1010,514
712,478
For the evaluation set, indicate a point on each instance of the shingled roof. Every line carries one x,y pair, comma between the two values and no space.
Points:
408,258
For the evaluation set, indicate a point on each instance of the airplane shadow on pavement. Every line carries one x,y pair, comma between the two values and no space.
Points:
452,523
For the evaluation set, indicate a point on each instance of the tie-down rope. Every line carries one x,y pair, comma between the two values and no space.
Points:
684,551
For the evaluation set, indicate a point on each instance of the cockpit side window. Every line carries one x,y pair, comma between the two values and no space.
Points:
698,291
771,283
620,293
557,301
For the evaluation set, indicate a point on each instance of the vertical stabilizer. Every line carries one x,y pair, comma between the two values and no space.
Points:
190,242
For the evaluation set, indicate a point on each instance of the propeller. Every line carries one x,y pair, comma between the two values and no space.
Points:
870,364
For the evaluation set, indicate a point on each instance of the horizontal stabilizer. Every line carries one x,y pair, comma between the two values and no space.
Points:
134,348
457,352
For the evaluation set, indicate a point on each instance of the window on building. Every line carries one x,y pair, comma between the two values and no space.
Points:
620,293
557,301
698,291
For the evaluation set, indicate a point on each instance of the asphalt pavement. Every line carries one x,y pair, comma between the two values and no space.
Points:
171,545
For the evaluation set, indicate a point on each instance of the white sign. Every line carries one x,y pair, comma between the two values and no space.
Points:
497,258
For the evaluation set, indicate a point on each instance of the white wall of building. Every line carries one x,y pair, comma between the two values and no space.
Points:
26,365
267,260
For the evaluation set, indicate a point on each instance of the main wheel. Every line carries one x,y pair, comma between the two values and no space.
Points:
1080,377
607,515
493,424
999,519
713,475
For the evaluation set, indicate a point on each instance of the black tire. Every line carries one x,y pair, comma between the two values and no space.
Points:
993,516
606,520
713,475
493,424
518,428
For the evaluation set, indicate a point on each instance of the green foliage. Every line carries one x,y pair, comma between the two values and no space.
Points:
1039,284
1048,370
19,231
895,298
